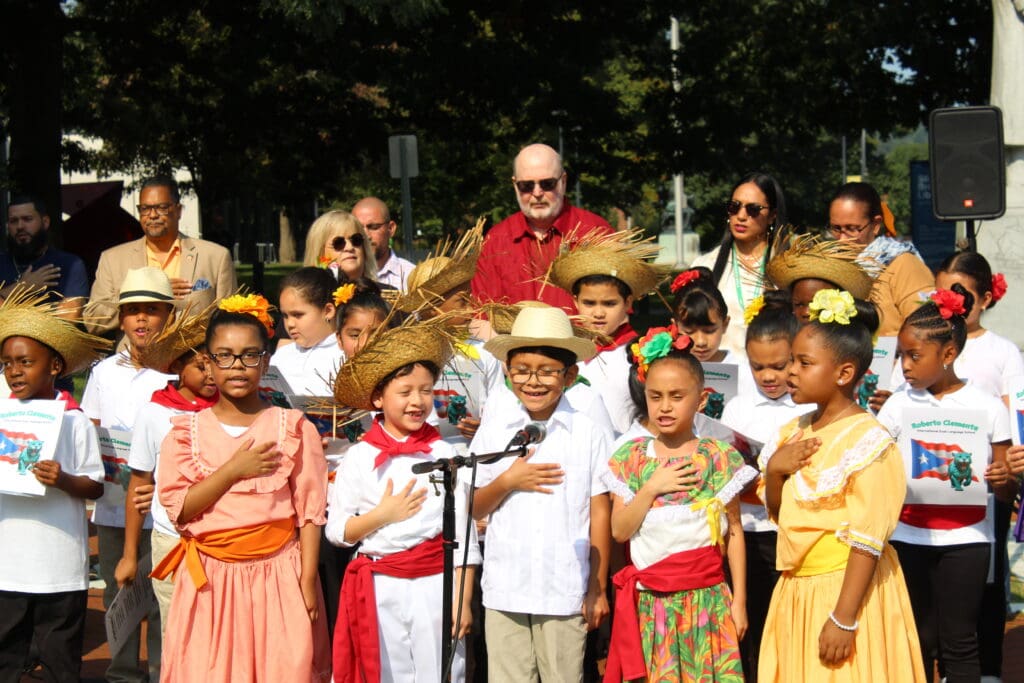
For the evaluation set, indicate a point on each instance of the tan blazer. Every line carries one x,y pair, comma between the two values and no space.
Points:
208,266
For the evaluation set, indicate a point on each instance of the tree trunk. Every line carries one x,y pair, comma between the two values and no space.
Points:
286,239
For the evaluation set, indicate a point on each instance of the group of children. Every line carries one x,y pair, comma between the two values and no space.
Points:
286,548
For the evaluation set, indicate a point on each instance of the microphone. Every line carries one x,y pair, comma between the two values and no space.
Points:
530,434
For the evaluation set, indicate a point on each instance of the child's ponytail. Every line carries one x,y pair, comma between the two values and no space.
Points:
770,317
847,327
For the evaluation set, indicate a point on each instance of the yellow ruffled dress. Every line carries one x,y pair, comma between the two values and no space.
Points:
849,495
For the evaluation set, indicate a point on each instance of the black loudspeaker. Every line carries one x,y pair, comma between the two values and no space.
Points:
965,146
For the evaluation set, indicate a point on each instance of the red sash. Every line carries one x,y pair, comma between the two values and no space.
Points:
687,570
941,516
356,639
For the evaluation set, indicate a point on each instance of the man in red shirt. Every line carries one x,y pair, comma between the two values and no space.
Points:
517,251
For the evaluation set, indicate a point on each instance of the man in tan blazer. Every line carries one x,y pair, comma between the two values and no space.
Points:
201,272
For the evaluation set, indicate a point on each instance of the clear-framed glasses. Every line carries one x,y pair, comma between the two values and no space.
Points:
546,376
852,231
225,360
160,209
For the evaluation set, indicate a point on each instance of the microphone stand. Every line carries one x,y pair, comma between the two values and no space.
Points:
449,468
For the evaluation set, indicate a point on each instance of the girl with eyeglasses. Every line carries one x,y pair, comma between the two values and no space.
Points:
338,242
245,483
756,205
855,215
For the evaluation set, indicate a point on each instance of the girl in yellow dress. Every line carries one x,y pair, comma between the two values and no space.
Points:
834,483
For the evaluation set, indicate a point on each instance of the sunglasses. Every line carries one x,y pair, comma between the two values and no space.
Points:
526,186
356,240
732,207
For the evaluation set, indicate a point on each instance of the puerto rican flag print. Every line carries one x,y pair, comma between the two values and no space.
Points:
931,460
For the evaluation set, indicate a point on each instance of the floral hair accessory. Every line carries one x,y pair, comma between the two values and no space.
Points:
753,309
324,261
998,287
250,304
657,343
948,302
344,294
684,278
832,306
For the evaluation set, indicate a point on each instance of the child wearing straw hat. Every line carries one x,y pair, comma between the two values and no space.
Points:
548,535
178,348
114,393
440,284
606,274
44,571
389,623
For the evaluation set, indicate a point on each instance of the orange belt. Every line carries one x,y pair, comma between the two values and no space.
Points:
230,545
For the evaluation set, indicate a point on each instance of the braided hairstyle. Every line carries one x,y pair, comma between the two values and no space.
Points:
853,342
928,320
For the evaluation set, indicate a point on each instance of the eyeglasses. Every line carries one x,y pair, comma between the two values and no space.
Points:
356,240
161,209
547,184
225,360
849,230
733,206
547,376
373,227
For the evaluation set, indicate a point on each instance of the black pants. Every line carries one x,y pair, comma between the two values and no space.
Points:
992,619
332,564
761,579
54,621
946,585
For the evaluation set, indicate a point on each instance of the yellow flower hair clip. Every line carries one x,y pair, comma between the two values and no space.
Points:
753,308
249,304
832,306
344,294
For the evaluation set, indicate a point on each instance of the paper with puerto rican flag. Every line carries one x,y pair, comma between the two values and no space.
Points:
28,434
945,452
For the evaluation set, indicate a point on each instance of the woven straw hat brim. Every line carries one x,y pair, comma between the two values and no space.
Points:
785,269
621,255
359,376
24,314
433,290
501,345
185,333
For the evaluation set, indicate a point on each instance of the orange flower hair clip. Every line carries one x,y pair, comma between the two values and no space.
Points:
344,294
250,304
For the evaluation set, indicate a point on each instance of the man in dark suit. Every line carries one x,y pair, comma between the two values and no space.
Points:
201,272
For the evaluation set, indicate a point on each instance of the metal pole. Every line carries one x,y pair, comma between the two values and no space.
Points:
863,154
677,179
406,201
844,159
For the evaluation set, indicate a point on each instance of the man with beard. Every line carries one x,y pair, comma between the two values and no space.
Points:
518,251
201,272
31,260
392,269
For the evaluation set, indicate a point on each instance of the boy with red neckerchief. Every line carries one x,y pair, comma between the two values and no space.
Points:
177,349
606,274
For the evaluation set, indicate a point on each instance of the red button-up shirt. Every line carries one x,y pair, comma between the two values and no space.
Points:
513,261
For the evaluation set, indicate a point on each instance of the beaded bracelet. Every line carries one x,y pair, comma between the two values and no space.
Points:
856,624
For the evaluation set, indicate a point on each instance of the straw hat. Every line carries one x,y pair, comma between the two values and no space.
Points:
145,284
30,312
541,326
501,317
185,333
622,255
386,351
449,267
810,256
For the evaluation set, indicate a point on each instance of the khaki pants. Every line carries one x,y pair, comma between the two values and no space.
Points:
529,648
160,545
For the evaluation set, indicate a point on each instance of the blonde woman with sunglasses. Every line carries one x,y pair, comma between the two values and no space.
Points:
339,242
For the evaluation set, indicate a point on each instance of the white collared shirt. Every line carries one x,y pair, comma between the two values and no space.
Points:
395,272
538,545
309,369
969,397
990,361
608,374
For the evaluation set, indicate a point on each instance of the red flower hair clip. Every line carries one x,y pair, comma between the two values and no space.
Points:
998,287
684,278
657,343
949,303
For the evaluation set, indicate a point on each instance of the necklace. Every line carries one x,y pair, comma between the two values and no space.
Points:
738,281
838,415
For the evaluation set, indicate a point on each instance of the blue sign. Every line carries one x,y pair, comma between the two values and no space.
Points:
935,239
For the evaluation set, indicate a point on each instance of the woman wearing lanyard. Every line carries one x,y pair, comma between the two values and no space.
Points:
755,207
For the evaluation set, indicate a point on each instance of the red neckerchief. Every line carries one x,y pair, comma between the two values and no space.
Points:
69,401
418,442
624,334
170,397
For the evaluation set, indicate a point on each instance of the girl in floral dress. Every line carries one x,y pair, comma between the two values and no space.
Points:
675,499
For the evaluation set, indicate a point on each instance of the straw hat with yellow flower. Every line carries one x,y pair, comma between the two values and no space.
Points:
451,266
623,255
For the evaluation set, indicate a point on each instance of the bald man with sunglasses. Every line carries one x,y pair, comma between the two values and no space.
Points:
518,250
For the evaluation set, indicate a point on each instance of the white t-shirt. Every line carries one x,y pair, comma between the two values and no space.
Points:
759,417
735,338
469,377
114,394
309,369
46,538
361,488
151,426
990,361
608,374
537,554
969,397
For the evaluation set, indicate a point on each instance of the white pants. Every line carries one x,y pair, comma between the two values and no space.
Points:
409,622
